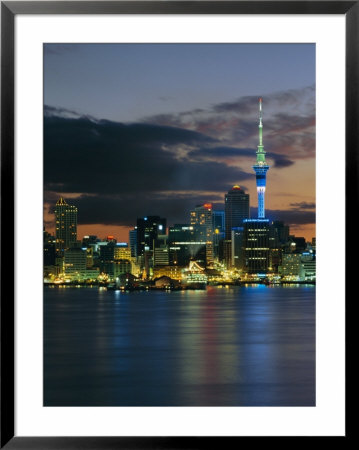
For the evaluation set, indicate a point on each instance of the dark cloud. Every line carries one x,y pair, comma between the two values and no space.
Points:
289,122
302,205
122,210
291,217
292,98
217,153
52,111
167,164
122,171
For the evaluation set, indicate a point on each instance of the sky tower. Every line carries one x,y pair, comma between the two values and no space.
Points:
261,168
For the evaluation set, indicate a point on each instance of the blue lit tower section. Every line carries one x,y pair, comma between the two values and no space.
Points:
261,168
256,231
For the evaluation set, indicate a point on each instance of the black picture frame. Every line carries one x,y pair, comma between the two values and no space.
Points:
9,9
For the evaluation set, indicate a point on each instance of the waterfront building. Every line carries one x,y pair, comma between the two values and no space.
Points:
75,262
307,270
166,282
51,272
275,258
89,257
148,230
122,251
314,243
298,243
135,267
184,246
160,252
65,225
120,267
218,234
256,246
173,272
49,248
49,256
236,204
290,268
218,239
278,234
278,241
194,274
237,242
107,258
201,219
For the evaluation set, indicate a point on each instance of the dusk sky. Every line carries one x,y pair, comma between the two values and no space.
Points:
156,129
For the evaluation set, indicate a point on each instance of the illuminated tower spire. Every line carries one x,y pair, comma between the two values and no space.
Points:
261,167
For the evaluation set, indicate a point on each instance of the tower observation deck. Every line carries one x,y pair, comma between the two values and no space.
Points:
261,168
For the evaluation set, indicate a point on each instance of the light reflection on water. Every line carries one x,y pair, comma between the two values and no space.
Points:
242,346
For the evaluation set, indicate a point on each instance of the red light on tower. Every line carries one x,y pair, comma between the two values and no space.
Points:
208,206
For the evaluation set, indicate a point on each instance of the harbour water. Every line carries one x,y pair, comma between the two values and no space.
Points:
242,346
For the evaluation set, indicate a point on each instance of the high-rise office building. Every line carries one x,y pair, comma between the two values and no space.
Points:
237,247
218,221
65,225
107,258
49,249
121,266
148,230
307,270
314,243
75,262
236,204
184,247
256,246
122,251
290,267
202,221
279,234
218,234
133,242
299,243
278,241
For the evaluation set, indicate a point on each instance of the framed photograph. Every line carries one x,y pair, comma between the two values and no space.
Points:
166,170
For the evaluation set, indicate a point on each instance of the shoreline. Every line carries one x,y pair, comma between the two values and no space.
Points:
180,288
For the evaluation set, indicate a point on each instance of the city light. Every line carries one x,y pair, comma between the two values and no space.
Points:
211,247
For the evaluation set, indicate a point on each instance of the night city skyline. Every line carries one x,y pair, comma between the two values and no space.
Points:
179,245
166,138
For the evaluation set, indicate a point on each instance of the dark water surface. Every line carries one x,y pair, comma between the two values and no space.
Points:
243,346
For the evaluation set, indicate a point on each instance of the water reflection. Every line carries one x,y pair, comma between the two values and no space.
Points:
249,346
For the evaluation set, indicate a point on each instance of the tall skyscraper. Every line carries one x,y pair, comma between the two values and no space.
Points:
148,229
65,225
218,221
261,168
133,242
256,246
202,221
256,231
218,234
236,206
184,246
